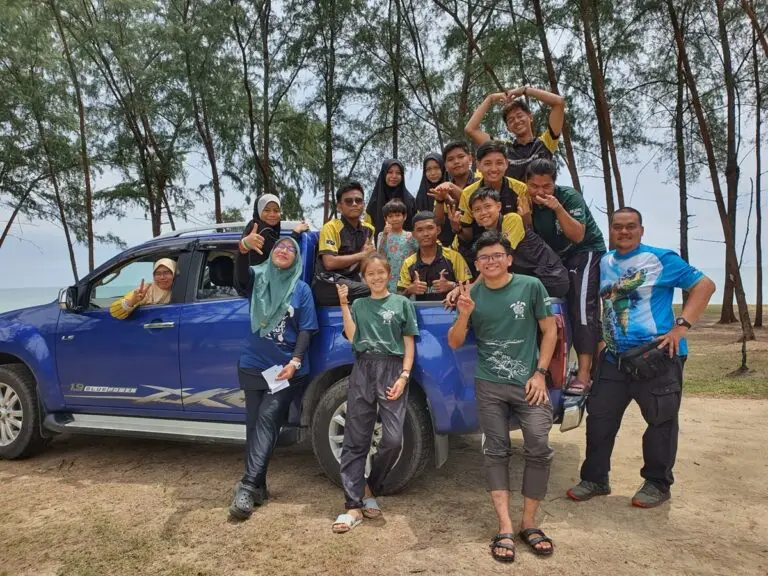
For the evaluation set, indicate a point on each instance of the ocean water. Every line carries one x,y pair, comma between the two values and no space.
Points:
14,298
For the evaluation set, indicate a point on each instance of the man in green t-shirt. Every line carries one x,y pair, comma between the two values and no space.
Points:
560,216
504,312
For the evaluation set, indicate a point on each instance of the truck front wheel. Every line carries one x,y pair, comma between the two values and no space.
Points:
328,424
19,413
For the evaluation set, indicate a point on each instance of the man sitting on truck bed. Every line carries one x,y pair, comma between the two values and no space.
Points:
344,243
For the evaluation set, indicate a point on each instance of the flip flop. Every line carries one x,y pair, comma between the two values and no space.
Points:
345,523
496,543
533,536
371,508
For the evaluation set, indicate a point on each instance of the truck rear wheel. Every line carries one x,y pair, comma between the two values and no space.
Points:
19,414
328,435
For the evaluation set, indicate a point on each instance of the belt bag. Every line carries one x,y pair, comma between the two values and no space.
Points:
646,361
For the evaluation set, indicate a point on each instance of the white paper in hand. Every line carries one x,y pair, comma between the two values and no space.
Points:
274,385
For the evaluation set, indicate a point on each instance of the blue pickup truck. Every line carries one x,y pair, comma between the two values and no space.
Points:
169,371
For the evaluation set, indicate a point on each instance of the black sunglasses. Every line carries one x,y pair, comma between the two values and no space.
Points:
353,200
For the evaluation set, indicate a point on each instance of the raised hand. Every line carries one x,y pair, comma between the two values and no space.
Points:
464,303
368,247
343,291
444,192
300,227
418,286
524,211
140,293
387,229
548,200
254,240
498,97
454,217
511,95
442,284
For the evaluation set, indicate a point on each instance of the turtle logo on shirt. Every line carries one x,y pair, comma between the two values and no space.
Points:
387,316
618,299
518,308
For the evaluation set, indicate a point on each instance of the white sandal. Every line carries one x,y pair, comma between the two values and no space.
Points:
344,523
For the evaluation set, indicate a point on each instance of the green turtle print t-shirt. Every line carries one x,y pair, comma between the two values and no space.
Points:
505,322
380,324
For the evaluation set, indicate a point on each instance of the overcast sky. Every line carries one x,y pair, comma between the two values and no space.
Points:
36,254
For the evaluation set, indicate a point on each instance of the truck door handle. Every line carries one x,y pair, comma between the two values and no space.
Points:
68,338
157,325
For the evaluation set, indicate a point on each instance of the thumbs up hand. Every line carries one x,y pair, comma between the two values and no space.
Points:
418,286
254,240
442,284
343,292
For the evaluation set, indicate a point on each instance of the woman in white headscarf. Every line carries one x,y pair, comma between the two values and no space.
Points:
156,292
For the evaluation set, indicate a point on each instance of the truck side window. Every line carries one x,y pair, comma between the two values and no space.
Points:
217,279
119,281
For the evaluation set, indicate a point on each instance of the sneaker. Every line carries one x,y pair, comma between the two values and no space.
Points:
649,496
586,490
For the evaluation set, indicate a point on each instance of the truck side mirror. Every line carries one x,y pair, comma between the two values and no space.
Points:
68,298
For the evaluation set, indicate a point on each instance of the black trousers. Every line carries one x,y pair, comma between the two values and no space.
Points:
371,375
659,401
584,300
265,415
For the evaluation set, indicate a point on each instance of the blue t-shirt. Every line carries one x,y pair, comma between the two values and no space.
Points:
276,348
637,289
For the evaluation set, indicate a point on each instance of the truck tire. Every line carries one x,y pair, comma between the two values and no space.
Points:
20,416
418,443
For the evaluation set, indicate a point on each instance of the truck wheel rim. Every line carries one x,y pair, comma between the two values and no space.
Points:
336,436
11,415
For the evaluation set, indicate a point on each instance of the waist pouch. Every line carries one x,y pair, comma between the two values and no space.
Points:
646,361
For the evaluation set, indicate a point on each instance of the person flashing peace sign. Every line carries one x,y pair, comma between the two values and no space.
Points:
156,292
505,312
381,328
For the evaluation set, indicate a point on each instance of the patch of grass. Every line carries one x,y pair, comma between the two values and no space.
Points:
715,356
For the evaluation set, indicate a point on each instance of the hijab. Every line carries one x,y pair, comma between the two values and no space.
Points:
155,294
383,193
272,291
423,200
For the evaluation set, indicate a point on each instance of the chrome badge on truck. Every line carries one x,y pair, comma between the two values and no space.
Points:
83,389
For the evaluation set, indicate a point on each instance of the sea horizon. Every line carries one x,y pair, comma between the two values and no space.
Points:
23,297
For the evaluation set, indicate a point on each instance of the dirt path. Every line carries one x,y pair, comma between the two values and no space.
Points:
109,506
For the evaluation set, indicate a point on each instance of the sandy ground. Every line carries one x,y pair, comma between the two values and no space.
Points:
114,506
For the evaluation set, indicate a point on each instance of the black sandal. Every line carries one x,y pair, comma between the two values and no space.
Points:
496,543
526,536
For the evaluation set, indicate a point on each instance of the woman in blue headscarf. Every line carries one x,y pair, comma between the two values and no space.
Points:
283,320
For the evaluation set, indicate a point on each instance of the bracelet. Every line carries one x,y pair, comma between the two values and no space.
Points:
245,244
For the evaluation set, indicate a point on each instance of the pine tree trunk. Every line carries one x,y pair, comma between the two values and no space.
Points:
681,167
750,10
758,187
518,45
601,106
552,76
396,82
242,45
83,141
727,314
57,193
730,248
15,213
265,11
330,101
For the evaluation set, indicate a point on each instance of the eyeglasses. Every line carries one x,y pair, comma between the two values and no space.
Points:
162,273
285,248
497,257
354,200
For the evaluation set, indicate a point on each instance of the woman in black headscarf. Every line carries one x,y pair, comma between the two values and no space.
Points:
390,184
433,174
261,232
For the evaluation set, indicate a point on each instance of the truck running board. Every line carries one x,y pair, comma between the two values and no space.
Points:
160,428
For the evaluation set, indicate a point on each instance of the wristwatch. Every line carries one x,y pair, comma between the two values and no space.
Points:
295,363
542,371
680,321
